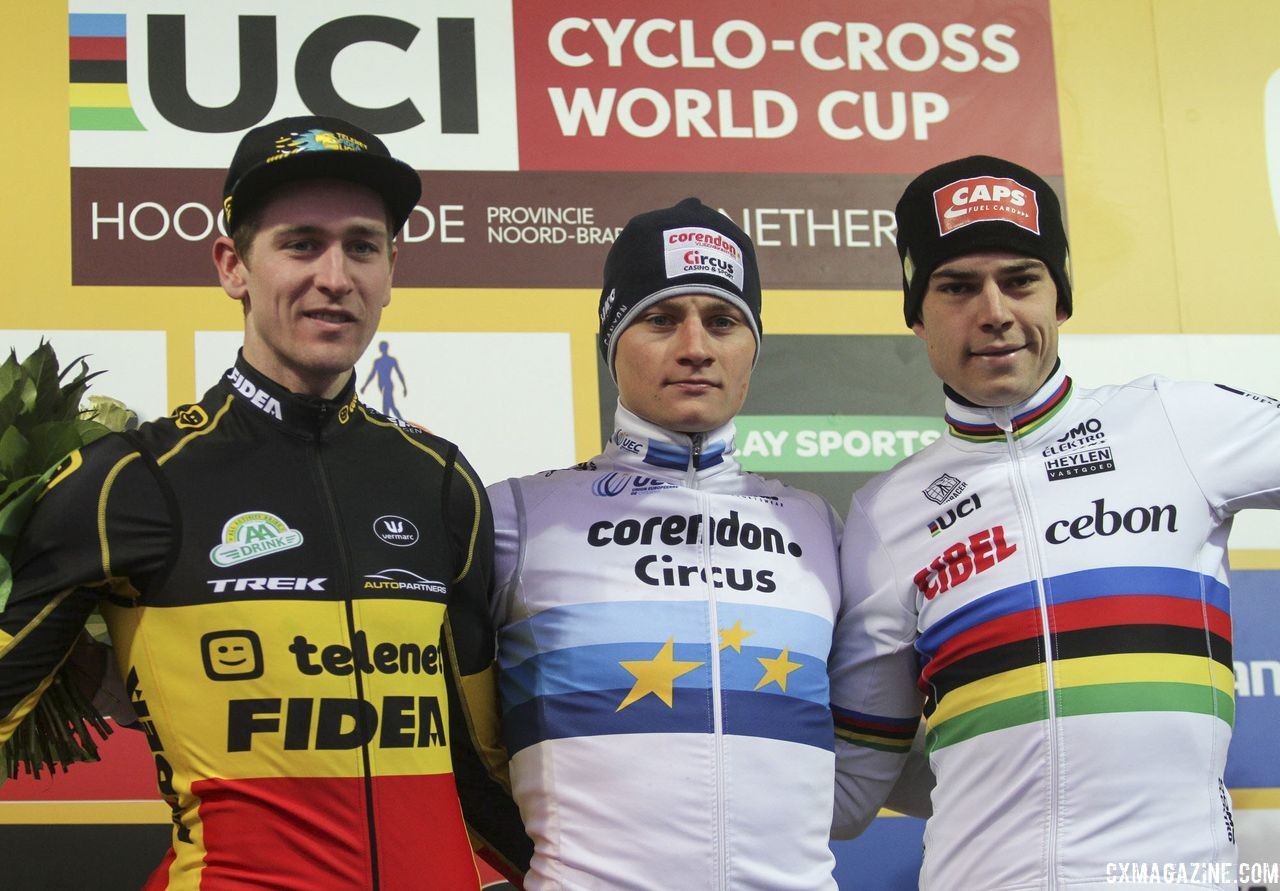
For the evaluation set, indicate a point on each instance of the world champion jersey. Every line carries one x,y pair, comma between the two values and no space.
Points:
1050,581
664,625
275,571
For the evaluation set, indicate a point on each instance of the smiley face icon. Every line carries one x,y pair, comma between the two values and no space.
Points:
231,655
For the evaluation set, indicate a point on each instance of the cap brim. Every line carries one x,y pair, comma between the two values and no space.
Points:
395,181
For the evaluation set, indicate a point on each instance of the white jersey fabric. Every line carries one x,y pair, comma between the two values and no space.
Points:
664,621
1050,581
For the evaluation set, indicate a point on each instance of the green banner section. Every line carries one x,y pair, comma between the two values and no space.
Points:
831,443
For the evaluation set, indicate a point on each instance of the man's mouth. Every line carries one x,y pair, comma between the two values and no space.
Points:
333,316
694,383
996,352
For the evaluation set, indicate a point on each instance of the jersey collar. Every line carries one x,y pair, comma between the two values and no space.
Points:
973,423
309,416
647,448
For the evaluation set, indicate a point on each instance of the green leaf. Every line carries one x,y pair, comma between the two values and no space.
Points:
9,372
112,414
12,518
12,490
13,453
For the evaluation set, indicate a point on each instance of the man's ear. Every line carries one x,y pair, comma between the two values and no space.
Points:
231,268
918,329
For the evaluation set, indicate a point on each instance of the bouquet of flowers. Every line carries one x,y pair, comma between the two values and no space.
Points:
41,422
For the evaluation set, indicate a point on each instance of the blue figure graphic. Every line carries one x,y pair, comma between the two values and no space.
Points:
383,367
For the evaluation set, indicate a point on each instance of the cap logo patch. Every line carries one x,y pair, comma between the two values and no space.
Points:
982,199
693,249
316,140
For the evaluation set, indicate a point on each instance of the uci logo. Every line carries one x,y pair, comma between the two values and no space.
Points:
396,531
217,70
263,52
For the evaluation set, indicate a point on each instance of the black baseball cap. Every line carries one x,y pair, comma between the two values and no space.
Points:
315,147
685,249
975,204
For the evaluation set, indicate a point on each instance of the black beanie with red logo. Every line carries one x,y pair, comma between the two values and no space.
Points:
979,203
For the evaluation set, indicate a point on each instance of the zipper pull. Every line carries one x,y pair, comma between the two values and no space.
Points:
695,457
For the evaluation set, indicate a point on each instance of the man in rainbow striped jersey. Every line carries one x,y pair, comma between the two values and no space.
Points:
1047,583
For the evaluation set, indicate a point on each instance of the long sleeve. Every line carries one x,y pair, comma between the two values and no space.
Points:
479,759
102,525
1230,439
873,669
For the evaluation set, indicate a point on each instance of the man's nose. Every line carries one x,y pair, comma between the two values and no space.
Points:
332,276
994,309
694,341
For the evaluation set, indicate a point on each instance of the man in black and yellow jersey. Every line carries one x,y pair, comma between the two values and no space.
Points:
275,563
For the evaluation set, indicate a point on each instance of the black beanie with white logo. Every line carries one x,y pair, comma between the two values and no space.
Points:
979,203
686,249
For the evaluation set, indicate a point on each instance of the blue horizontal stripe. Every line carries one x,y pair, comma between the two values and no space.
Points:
587,669
580,669
990,606
656,621
594,713
1162,580
769,716
743,671
94,24
1074,586
662,454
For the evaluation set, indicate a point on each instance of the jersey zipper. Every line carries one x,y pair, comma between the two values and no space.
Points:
717,713
1003,419
344,560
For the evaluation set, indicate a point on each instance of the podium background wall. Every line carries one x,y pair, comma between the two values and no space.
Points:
539,129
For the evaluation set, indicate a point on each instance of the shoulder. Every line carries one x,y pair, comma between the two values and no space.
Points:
395,429
1179,396
785,496
931,467
412,440
556,489
546,481
111,461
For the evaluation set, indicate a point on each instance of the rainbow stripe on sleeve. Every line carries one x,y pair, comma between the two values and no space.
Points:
886,734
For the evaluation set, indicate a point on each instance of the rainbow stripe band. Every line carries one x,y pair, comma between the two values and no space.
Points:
1128,639
1027,422
99,89
875,731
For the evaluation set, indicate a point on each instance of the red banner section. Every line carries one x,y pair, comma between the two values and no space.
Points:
812,87
509,229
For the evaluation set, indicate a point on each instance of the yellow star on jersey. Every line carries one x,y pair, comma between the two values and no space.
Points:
657,675
733,637
776,670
